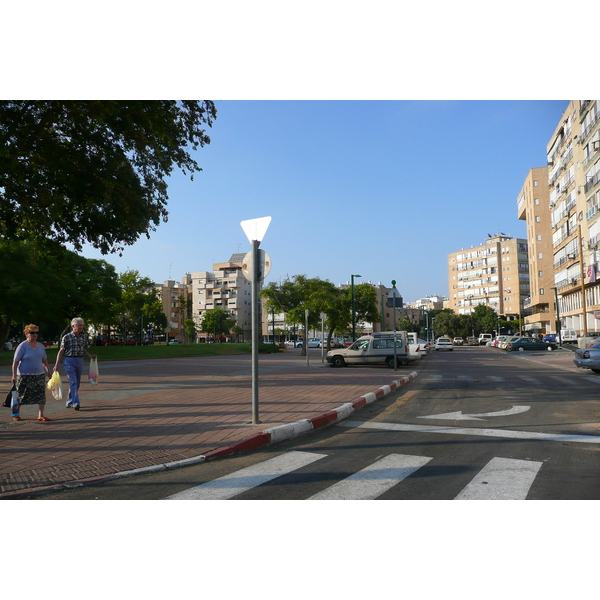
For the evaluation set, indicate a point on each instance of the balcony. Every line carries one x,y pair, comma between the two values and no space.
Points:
592,182
591,212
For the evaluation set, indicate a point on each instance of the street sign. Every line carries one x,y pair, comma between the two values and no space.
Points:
264,265
255,229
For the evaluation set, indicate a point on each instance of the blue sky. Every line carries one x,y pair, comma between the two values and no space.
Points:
384,189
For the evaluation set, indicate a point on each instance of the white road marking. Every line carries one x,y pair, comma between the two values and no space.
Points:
496,378
459,416
374,480
475,431
502,479
237,482
530,380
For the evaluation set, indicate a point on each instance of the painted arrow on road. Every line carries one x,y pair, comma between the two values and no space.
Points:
459,416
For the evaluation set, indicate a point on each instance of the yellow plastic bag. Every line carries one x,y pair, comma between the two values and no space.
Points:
55,386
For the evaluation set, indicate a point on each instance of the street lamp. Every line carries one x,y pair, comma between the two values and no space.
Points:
255,268
353,315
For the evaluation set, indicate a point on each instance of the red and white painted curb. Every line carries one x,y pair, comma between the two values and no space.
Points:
290,431
267,437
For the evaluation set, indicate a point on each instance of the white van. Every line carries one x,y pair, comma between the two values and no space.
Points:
484,338
414,346
372,349
568,335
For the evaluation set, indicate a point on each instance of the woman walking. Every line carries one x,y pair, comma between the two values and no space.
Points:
29,372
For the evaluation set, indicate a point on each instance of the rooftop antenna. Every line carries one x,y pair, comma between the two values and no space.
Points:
170,265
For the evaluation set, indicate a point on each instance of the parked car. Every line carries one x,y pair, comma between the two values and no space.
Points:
496,343
550,337
173,342
444,343
372,349
335,343
484,338
426,347
502,345
526,343
472,341
458,341
588,358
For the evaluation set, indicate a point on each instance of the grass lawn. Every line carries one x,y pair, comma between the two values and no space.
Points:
156,351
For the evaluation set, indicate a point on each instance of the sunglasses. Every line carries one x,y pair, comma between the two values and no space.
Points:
34,332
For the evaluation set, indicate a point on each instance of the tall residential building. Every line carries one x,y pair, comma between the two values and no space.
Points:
224,287
573,155
532,207
495,274
171,293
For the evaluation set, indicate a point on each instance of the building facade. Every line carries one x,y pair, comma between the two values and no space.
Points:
176,310
573,155
532,207
495,274
224,287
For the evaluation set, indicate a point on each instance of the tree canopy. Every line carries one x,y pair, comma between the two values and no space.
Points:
93,171
295,296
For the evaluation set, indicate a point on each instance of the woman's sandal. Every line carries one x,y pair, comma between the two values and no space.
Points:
16,418
44,419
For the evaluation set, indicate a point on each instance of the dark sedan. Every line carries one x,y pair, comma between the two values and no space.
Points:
588,358
525,343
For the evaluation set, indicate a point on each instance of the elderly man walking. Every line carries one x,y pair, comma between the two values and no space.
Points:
74,347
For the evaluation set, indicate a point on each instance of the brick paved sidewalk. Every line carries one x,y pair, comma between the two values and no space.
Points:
145,413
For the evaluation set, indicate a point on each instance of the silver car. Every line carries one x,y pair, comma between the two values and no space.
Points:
588,358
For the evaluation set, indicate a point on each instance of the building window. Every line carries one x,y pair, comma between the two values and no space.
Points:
536,201
537,219
541,291
540,255
535,183
540,273
539,237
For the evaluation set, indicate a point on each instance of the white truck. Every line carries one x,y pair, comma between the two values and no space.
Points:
484,338
372,349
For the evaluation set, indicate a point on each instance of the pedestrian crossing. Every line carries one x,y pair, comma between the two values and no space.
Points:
576,377
500,479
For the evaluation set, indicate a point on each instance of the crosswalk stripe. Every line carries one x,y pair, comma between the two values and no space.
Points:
237,482
372,481
530,379
502,479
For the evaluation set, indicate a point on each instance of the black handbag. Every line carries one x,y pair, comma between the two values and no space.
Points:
8,401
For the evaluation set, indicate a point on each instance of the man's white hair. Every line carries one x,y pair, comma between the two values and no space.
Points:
77,320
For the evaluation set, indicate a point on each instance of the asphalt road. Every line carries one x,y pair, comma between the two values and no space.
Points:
477,423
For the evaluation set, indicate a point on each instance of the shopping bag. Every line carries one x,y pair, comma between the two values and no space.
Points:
55,386
93,371
11,397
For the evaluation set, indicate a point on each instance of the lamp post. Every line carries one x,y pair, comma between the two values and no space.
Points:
255,268
353,315
557,316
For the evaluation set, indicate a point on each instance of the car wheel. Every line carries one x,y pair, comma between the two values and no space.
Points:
389,362
338,361
595,370
549,348
521,349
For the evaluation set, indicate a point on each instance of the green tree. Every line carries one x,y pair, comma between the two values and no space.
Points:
237,331
216,322
485,319
49,285
302,293
93,171
139,299
447,323
189,330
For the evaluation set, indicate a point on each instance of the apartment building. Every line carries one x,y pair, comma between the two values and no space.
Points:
177,311
532,207
224,287
495,274
573,155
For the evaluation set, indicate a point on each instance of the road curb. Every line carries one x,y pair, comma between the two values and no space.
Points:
267,437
